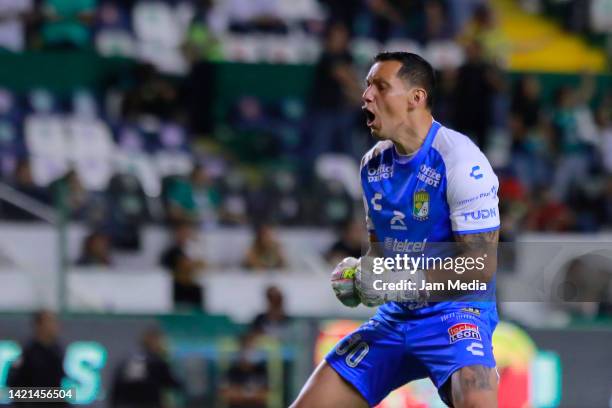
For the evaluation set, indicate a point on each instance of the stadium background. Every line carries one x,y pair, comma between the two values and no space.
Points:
192,166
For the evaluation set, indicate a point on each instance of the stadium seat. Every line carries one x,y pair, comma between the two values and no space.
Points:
363,49
156,22
299,10
160,31
278,49
169,60
444,54
92,149
239,48
45,137
402,45
84,104
140,165
173,162
341,168
113,42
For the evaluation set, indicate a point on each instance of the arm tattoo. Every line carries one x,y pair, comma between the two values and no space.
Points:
477,241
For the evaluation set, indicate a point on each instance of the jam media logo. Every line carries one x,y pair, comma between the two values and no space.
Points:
463,331
429,176
382,172
420,206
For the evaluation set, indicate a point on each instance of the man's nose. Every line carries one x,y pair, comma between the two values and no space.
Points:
367,95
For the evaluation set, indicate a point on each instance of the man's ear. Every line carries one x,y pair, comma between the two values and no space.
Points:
418,97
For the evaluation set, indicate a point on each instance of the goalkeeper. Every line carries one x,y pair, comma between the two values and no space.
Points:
423,185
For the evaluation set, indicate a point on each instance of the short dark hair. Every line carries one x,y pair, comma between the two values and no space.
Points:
415,69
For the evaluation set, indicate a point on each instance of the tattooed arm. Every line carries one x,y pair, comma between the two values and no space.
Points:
483,246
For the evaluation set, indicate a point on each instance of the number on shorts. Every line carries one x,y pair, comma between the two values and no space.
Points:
357,354
355,348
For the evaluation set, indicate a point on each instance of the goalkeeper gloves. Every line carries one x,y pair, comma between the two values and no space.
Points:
353,286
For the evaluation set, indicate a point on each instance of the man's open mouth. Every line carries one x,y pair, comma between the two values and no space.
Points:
370,116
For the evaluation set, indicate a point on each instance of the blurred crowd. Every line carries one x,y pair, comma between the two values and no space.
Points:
147,375
149,147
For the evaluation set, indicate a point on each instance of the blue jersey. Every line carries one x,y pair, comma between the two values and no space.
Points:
448,187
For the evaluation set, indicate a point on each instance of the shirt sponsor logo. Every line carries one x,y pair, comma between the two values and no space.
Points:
374,201
429,176
420,206
475,349
463,331
480,214
471,310
382,172
487,194
476,174
397,222
395,245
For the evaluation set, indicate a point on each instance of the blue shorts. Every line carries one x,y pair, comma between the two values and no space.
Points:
383,354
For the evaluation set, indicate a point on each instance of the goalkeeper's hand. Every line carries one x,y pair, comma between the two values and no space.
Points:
343,281
352,286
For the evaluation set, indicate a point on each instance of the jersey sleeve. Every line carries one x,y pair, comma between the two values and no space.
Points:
472,195
369,223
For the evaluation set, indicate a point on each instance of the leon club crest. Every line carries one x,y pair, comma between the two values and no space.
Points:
420,206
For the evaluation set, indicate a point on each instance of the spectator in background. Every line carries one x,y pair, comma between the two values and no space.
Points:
576,135
484,29
274,321
201,49
436,25
514,205
246,382
265,251
95,250
69,193
525,102
185,238
348,244
335,96
603,118
126,210
186,291
201,43
24,182
41,363
477,83
67,23
532,151
387,19
193,198
143,379
343,11
549,214
152,94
